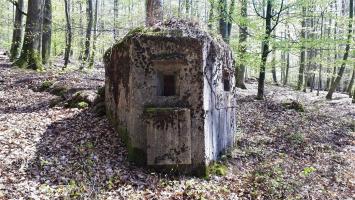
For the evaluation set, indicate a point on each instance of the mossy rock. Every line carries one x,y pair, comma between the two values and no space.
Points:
82,105
295,105
54,102
46,85
58,90
87,96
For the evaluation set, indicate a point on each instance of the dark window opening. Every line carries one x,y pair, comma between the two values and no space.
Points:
226,82
169,85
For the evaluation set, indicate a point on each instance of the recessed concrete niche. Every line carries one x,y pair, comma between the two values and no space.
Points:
170,95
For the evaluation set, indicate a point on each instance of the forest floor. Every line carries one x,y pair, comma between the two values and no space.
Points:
48,151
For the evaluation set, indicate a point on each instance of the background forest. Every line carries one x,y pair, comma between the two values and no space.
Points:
301,43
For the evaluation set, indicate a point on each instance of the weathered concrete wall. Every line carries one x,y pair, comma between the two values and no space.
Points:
132,84
168,136
219,105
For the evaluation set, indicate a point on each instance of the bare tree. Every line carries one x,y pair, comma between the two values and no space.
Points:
346,53
89,16
92,57
303,51
269,17
68,35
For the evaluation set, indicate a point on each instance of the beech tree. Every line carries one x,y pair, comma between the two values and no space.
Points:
47,31
269,17
17,31
68,35
240,77
89,16
30,54
336,82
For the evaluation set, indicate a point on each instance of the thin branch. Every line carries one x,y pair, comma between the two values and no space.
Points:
16,5
257,11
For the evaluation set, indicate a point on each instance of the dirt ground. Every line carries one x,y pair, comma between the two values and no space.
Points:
53,152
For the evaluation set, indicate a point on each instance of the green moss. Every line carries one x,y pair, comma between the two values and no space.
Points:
82,105
59,90
140,29
46,85
218,169
135,155
157,109
30,60
296,138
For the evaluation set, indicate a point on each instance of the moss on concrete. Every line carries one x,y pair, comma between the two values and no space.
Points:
158,109
135,155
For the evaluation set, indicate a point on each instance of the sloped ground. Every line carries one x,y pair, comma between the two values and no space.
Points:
54,152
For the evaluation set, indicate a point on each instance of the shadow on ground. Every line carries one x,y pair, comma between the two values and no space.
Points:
83,154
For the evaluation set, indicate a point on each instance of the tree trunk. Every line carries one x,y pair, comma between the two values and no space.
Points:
223,18
240,78
303,51
115,18
92,58
187,8
321,55
230,18
68,35
17,32
179,9
211,15
81,31
30,56
265,50
89,15
47,31
273,66
154,12
346,54
351,83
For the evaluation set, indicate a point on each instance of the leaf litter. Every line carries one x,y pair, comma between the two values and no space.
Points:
53,152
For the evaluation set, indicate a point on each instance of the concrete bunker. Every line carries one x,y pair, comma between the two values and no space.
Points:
170,95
